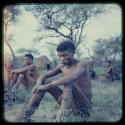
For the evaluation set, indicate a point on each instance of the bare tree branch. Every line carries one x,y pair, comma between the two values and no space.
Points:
81,30
56,30
72,18
52,44
88,51
58,10
55,36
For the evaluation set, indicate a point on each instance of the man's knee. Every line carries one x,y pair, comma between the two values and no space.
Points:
49,80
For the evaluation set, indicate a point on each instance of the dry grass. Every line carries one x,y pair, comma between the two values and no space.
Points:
107,105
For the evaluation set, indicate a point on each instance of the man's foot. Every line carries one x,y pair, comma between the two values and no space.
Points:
22,118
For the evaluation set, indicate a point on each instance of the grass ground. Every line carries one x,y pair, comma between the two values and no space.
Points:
107,105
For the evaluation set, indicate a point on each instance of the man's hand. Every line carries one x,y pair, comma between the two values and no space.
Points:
40,87
14,71
14,88
40,80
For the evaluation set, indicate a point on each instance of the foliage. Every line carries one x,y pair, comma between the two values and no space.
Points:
11,12
32,50
64,21
109,49
10,16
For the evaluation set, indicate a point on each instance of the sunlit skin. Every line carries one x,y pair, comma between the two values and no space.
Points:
66,57
109,71
74,73
75,80
27,61
29,71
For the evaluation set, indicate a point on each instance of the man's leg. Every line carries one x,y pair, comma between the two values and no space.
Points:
30,82
56,92
66,110
20,80
37,97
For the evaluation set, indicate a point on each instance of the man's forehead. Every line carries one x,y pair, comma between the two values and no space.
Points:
26,57
64,52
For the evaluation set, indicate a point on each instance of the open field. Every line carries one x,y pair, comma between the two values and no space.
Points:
107,105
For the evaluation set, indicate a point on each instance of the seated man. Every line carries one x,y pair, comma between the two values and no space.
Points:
109,71
11,78
9,65
92,72
26,75
75,98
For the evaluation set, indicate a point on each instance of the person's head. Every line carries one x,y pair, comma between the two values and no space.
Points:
28,58
108,63
66,51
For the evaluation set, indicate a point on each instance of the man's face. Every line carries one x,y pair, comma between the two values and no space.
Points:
27,60
66,57
107,63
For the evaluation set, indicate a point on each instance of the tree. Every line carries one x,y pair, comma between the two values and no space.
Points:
24,50
10,14
52,53
109,49
65,20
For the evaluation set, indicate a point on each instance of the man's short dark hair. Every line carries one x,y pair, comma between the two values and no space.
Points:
109,61
66,45
29,56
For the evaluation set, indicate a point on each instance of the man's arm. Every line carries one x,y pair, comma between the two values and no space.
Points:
51,73
70,78
109,69
23,69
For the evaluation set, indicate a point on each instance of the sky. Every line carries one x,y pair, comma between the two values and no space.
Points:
104,26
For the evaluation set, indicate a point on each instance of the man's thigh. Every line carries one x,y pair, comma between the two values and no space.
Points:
12,79
29,81
67,96
66,110
49,80
56,92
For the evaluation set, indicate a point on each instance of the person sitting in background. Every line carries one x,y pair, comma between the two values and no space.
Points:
92,72
27,74
109,71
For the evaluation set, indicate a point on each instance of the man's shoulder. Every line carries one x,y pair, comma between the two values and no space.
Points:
34,66
85,61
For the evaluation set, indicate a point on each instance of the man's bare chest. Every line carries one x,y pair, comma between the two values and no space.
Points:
67,70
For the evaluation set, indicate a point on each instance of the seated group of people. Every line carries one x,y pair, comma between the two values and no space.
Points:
75,98
110,74
26,75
